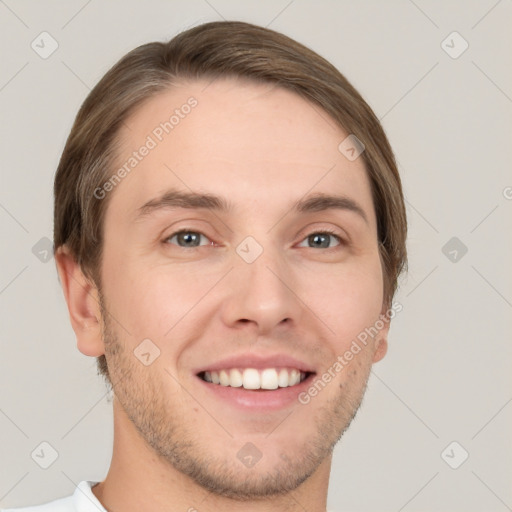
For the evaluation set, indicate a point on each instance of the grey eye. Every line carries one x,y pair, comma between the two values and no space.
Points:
186,238
321,240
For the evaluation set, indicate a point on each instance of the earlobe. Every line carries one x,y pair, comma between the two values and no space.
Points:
381,349
381,343
83,303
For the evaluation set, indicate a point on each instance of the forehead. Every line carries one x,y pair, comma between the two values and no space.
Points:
253,143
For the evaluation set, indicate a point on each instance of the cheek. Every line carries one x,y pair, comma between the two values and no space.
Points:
348,300
152,301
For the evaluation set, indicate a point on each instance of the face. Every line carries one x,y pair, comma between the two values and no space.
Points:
264,282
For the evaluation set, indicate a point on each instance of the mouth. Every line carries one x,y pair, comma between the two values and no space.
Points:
254,390
266,379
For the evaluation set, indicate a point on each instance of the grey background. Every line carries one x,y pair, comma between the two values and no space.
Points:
447,374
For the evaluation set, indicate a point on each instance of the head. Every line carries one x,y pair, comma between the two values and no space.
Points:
240,132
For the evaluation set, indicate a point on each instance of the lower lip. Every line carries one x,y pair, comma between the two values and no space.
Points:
258,400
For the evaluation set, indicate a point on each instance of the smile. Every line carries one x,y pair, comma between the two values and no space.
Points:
252,378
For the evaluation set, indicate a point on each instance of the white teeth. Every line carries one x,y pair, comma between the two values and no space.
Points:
224,378
251,378
283,379
269,379
236,378
294,378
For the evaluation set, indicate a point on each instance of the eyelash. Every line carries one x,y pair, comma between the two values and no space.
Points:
326,231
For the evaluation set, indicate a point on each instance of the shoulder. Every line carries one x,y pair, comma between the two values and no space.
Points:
60,505
82,500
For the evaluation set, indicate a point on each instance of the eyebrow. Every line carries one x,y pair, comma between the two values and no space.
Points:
191,200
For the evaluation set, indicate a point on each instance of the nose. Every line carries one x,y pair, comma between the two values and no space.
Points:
263,293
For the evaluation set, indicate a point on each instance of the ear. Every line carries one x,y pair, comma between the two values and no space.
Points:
381,340
83,303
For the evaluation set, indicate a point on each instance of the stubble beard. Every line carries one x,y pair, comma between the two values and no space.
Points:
143,398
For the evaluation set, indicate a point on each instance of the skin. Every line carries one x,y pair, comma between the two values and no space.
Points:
175,446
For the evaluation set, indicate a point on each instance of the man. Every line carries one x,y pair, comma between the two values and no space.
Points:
229,230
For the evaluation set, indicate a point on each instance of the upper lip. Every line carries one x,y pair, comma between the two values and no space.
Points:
259,362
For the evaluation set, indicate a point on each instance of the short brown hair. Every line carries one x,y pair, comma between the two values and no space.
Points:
230,49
